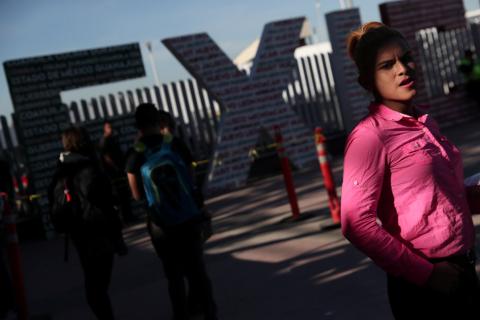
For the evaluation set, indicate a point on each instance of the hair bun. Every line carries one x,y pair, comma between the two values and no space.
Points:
356,35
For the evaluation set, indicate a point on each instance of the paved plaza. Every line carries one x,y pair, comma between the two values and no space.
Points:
262,265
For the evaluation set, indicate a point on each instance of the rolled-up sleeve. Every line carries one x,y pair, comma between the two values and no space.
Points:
363,179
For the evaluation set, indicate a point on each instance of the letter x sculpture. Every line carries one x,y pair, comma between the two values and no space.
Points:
248,103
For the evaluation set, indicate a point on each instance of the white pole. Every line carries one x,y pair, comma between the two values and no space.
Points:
318,12
148,44
342,4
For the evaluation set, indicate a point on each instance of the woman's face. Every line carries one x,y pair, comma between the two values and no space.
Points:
395,73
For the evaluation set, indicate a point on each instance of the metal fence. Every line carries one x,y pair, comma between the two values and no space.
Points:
440,54
196,113
311,94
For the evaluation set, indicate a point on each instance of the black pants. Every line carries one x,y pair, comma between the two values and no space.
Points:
181,252
124,199
409,301
96,258
6,289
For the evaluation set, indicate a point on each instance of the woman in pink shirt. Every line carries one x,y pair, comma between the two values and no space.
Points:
403,198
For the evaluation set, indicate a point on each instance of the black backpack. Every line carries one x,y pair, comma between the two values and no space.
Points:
66,210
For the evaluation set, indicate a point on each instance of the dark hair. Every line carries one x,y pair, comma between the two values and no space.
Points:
76,139
363,45
166,120
146,115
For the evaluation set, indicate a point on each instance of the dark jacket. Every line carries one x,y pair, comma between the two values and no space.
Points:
94,193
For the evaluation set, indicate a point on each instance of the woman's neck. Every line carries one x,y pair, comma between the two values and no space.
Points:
404,107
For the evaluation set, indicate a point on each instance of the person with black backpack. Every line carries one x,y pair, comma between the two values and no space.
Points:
158,171
82,207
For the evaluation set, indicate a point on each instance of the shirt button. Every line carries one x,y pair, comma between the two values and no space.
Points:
355,182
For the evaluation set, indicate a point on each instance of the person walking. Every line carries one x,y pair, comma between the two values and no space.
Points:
399,168
82,207
113,159
176,234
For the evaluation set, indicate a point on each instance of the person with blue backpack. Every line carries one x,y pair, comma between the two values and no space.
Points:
159,171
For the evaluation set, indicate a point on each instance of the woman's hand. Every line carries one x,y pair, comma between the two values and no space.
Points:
445,277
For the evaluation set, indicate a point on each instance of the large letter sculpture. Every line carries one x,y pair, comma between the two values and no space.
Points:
248,103
35,85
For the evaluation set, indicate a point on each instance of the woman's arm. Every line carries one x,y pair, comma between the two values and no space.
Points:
364,169
132,182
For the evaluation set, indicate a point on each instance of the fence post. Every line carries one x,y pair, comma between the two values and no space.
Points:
333,201
287,174
13,251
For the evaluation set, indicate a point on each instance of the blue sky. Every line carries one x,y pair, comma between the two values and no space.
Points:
37,27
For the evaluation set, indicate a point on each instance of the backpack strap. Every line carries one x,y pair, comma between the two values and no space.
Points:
67,190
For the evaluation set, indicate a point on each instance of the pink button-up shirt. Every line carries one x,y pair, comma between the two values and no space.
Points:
401,170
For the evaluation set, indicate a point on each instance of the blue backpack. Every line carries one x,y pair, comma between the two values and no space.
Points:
168,186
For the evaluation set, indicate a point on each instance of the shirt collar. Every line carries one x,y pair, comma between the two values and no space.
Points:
389,114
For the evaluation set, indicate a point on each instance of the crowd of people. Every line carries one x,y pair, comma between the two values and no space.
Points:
90,202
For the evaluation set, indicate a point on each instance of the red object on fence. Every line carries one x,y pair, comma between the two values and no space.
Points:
15,185
24,180
13,251
287,174
333,201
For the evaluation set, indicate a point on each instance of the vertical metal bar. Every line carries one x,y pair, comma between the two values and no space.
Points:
181,115
139,96
131,101
103,104
75,112
158,96
168,100
86,112
192,122
198,117
148,94
96,111
113,104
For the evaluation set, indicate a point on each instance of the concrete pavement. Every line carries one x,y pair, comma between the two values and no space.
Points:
262,266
